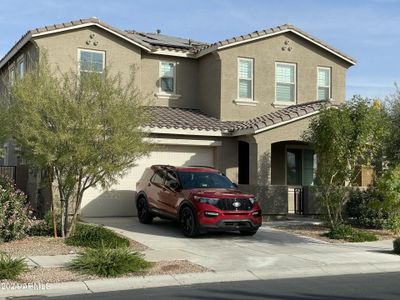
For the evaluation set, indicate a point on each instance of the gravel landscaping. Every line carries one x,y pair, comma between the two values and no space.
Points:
39,245
54,275
319,232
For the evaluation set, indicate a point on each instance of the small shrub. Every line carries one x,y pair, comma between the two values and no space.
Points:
396,246
348,233
45,227
93,236
11,268
14,222
108,262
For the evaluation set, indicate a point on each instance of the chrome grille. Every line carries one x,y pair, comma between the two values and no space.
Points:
227,204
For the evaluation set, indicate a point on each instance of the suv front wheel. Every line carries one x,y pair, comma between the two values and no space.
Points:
188,222
144,214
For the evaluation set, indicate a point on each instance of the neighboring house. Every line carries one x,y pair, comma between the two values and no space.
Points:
240,105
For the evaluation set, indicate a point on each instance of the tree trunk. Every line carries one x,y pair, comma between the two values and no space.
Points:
78,201
53,212
62,210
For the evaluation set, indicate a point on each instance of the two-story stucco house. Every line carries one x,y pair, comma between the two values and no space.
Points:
240,105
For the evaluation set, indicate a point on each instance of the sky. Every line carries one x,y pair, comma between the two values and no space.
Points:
367,30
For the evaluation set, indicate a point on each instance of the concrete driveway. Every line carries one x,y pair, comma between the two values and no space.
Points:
269,249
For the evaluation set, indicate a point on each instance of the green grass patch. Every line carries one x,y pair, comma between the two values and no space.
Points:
95,236
11,268
106,262
396,246
348,233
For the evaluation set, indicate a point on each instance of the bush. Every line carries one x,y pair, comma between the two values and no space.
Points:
396,246
14,222
363,209
108,262
45,227
93,236
11,268
348,233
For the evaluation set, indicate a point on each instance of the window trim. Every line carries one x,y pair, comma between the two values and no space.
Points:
286,103
330,83
12,68
21,59
90,50
161,93
238,98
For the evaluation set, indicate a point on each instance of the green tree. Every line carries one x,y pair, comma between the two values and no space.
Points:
344,139
84,130
393,142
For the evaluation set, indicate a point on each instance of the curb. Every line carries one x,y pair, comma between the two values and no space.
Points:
118,284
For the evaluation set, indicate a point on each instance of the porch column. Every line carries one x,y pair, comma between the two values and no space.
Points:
262,155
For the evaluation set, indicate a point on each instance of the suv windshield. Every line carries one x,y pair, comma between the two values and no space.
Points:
204,180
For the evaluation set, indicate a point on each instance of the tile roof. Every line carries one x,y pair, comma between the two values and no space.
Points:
283,115
185,118
155,41
275,30
194,119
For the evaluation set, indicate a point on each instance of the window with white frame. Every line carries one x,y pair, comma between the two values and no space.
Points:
21,67
91,61
11,74
168,77
245,78
285,78
323,83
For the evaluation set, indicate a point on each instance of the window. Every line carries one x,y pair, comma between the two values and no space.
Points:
91,61
11,74
245,78
323,83
285,77
158,178
167,77
171,180
21,67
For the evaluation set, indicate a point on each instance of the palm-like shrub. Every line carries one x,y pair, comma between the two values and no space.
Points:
11,268
106,262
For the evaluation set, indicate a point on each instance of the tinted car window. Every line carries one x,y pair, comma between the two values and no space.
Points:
171,180
190,180
158,177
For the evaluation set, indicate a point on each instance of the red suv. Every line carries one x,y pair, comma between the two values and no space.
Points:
200,198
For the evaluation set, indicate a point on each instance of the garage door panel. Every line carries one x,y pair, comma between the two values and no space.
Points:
119,200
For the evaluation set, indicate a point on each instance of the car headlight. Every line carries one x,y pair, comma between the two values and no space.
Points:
253,200
211,201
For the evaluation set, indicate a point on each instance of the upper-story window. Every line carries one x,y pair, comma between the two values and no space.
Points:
21,67
285,78
323,83
11,74
91,61
245,78
168,77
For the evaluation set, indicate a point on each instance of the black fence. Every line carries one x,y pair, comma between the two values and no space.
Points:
9,171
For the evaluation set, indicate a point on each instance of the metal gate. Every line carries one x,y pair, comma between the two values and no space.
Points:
298,201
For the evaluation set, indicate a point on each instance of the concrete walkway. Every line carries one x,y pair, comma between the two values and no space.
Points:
269,254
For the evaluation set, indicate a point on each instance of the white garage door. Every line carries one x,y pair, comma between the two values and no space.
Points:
119,199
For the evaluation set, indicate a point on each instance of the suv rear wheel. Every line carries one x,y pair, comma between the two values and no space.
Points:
144,214
188,222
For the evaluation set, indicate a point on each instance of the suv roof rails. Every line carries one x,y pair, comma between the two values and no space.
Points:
198,166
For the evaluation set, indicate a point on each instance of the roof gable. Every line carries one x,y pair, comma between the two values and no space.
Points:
257,35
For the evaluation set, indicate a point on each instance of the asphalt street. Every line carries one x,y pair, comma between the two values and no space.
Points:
345,287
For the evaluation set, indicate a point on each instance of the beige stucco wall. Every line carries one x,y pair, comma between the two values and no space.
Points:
186,80
210,84
260,173
62,51
266,52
